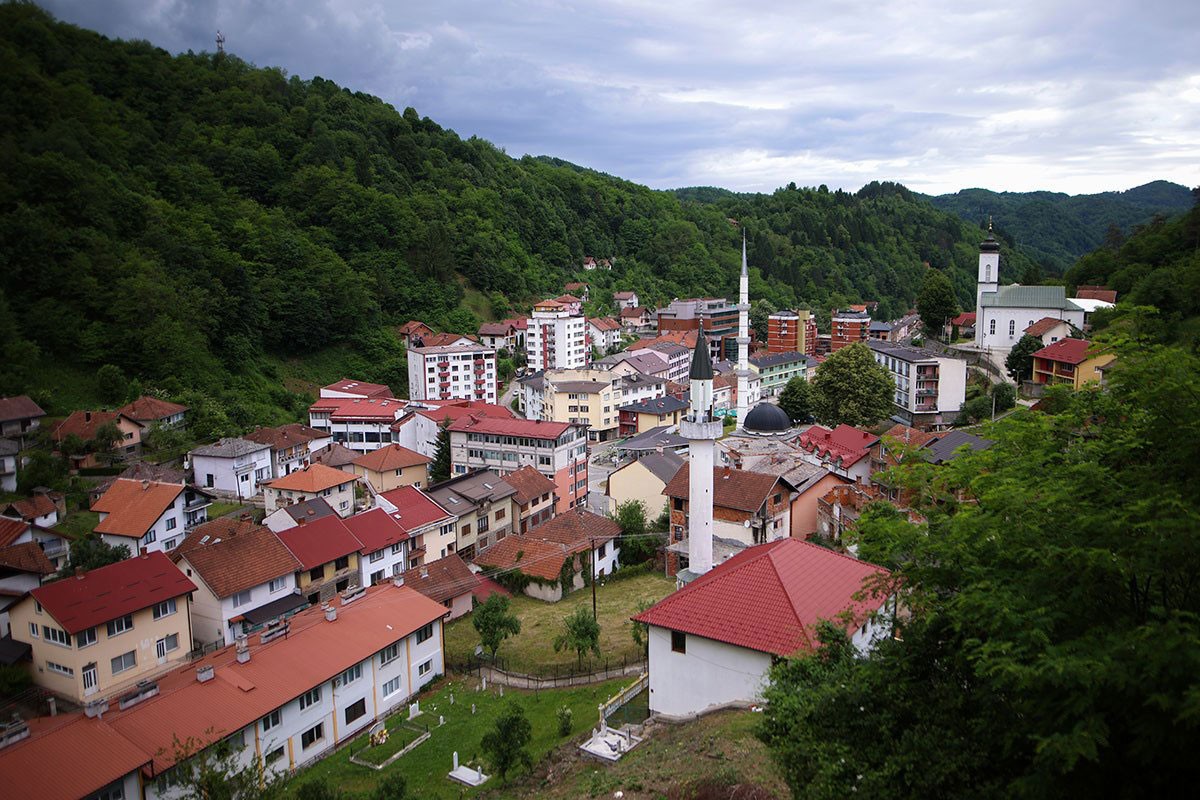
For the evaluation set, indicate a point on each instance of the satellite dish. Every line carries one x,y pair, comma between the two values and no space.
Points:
746,524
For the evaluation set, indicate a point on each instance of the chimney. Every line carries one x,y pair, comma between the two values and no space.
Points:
87,416
242,645
398,581
79,572
143,551
145,484
204,674
95,709
330,612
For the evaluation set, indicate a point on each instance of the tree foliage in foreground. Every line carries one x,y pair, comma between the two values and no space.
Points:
506,744
851,388
796,399
1053,645
494,622
936,303
581,633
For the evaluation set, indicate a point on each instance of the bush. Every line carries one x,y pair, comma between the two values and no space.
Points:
1006,396
565,718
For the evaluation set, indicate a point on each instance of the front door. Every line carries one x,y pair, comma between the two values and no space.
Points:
89,679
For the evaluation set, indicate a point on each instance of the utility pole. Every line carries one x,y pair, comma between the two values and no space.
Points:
592,558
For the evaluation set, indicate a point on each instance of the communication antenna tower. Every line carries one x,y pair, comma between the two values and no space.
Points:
220,42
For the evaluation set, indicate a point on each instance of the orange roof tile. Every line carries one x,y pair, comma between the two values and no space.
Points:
149,409
231,555
313,478
84,424
134,506
738,489
66,758
575,528
1044,326
443,579
11,530
285,436
30,508
26,557
529,483
391,456
534,557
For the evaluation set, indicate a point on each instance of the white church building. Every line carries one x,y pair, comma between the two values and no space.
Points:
1002,313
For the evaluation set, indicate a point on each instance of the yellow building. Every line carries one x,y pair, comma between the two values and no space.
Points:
644,480
646,415
100,632
1069,361
391,467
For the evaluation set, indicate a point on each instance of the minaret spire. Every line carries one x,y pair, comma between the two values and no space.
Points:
743,339
702,432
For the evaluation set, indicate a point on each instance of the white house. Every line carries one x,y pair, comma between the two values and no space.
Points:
335,486
712,642
384,552
930,388
8,465
245,577
232,467
432,530
291,446
153,515
284,698
54,546
625,300
1049,330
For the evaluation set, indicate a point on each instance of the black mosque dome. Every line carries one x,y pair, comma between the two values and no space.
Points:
766,418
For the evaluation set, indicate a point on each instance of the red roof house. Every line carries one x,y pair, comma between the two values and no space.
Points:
842,450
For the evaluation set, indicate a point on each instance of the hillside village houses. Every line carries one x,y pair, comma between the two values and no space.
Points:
291,446
299,513
231,467
392,466
55,546
327,553
43,507
432,529
149,516
334,486
155,411
19,417
484,508
84,426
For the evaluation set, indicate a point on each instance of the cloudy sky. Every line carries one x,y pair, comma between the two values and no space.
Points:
1069,96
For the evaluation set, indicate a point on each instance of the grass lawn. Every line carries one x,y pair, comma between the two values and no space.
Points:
532,650
78,524
424,769
400,736
220,508
715,756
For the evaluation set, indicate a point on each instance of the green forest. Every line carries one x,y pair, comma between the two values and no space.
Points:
211,227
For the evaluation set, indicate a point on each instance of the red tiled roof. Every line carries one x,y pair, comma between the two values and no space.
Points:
68,757
11,530
369,390
333,455
486,587
738,489
375,530
1096,293
414,326
534,557
462,409
444,339
529,483
320,541
30,508
910,436
534,429
350,408
770,597
964,319
567,299
391,456
604,323
232,555
495,329
1065,351
575,529
26,557
149,409
106,593
844,442
134,506
19,407
286,436
551,304
520,323
414,508
1043,326
84,424
623,295
570,287
632,313
313,478
443,579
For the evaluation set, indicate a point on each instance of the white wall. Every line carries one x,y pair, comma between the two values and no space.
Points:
709,674
1021,318
391,563
164,535
609,561
224,477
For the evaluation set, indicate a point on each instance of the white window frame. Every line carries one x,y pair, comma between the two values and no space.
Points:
166,608
310,698
115,627
389,654
122,658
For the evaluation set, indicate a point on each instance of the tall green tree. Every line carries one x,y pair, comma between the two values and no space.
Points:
851,388
581,633
936,302
494,622
797,399
635,543
91,552
112,384
1019,362
508,741
439,469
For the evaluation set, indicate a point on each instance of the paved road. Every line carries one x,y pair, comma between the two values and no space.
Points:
600,466
507,395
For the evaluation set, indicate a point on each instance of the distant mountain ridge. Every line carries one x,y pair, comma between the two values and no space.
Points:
1055,229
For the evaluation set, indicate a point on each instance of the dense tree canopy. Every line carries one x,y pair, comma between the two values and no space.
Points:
851,388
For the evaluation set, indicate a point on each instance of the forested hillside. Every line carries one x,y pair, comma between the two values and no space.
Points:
206,225
1054,229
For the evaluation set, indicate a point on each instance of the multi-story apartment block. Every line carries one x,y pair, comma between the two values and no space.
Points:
485,507
776,369
149,516
232,467
604,333
558,450
464,370
360,424
335,486
245,577
291,446
556,338
848,326
589,396
99,632
328,555
720,318
930,389
792,332
418,430
432,530
280,700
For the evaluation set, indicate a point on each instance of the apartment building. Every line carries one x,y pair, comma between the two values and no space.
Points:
392,466
358,423
245,577
776,369
792,332
102,631
484,506
432,530
463,370
589,396
419,429
930,388
149,515
291,446
232,467
282,699
558,450
556,338
848,326
334,486
719,316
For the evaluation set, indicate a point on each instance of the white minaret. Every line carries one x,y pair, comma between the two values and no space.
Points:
743,340
702,432
987,281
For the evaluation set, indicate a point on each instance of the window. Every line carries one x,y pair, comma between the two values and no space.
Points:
85,638
272,719
60,669
396,548
391,687
342,563
167,644
276,585
274,755
992,327
356,710
678,642
33,630
425,633
150,536
171,524
241,598
602,551
310,698
677,503
123,662
376,577
316,573
164,609
37,606
352,674
56,635
389,654
1012,327
376,556
423,669
118,626
313,735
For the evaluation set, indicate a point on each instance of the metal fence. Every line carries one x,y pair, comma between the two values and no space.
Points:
548,676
